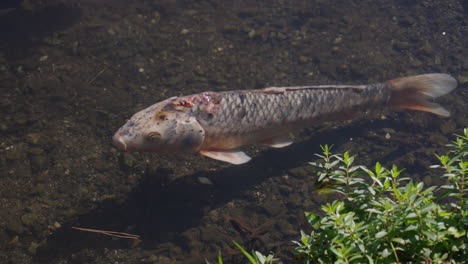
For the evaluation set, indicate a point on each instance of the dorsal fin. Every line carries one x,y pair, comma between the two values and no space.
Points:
280,90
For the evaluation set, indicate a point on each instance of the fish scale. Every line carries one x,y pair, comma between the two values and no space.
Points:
263,109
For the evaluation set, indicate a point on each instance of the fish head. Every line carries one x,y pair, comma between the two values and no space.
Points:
160,130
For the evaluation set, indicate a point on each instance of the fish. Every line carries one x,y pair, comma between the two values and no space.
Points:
219,124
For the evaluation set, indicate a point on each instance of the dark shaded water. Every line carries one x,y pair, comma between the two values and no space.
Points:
71,72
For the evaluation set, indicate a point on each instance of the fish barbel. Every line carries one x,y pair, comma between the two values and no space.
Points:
218,124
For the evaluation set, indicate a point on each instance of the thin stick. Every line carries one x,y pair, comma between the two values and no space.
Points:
108,233
95,76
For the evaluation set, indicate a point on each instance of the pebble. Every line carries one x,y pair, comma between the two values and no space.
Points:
43,58
29,219
39,162
36,151
387,136
156,18
415,62
15,153
33,138
3,238
448,127
212,234
400,45
57,225
74,47
303,59
128,160
33,248
300,172
287,229
15,226
273,208
39,188
462,79
251,33
295,200
191,239
338,40
152,259
427,180
101,165
389,130
204,180
438,140
281,35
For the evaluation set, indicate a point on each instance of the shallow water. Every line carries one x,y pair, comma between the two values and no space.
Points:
72,72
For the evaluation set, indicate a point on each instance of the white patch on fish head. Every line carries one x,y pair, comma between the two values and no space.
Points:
154,129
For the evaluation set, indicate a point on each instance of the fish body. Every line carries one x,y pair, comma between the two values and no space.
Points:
218,124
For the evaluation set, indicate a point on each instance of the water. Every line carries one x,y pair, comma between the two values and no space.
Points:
71,73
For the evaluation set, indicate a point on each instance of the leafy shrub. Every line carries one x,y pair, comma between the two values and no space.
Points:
384,218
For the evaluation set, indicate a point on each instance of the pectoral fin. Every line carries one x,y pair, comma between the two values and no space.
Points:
231,156
278,142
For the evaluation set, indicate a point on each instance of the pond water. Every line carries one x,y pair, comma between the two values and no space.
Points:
72,72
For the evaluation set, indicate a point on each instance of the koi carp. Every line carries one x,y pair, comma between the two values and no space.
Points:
218,124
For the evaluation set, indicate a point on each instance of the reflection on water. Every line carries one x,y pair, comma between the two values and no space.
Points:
71,72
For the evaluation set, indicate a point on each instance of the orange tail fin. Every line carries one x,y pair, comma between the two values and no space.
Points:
414,92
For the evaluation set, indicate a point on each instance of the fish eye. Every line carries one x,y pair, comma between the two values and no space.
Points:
153,136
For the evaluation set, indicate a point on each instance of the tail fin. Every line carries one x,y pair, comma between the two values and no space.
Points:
413,92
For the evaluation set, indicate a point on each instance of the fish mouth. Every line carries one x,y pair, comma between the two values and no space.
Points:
119,142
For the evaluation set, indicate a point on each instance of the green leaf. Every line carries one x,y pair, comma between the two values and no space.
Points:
369,258
428,208
246,254
346,158
378,168
385,253
304,238
386,184
412,215
313,219
381,234
336,252
260,257
430,235
455,232
354,258
375,211
399,240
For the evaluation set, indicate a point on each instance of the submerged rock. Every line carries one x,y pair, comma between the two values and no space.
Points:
29,219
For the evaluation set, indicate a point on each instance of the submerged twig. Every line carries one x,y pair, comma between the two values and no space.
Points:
108,233
90,81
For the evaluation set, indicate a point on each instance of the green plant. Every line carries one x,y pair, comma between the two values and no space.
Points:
384,218
255,257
